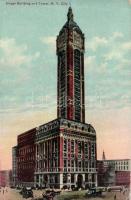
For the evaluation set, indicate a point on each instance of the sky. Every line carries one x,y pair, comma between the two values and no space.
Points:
28,70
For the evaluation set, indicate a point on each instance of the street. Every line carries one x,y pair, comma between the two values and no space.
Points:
9,194
13,194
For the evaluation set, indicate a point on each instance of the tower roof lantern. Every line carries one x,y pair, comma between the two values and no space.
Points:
71,24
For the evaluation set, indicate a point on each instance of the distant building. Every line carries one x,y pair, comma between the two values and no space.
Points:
14,166
5,178
114,172
26,157
122,169
103,156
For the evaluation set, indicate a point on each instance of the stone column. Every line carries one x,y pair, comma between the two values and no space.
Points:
48,182
90,179
96,181
61,180
38,157
35,180
69,180
39,179
75,179
83,184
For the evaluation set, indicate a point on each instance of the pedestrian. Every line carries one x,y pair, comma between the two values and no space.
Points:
115,197
3,191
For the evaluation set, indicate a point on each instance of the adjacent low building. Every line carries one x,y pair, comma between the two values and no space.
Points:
122,170
26,158
5,178
121,167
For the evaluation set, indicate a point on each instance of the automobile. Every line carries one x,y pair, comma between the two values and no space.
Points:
114,188
18,187
12,187
27,192
48,196
23,189
94,192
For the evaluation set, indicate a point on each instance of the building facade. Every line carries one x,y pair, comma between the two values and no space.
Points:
66,154
122,169
70,80
14,166
26,157
66,147
5,178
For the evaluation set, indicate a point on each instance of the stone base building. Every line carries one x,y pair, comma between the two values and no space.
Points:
66,154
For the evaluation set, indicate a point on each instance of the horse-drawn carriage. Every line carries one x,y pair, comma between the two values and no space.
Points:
49,194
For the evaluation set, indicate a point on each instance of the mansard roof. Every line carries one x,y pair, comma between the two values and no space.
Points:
71,24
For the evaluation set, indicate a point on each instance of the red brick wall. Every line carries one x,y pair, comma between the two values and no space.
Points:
26,156
70,80
123,177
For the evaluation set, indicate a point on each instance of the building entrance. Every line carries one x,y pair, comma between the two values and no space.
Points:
80,180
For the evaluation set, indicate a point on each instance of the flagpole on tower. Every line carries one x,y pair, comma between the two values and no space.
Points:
70,3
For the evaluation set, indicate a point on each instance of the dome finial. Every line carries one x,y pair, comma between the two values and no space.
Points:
70,14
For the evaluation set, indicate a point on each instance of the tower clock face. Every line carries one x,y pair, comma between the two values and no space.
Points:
77,40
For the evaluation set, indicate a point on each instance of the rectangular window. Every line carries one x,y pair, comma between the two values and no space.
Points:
65,163
79,147
72,146
65,145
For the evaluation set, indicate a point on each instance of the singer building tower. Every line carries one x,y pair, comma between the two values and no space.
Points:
66,146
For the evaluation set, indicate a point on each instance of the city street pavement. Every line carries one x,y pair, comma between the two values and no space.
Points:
10,194
13,194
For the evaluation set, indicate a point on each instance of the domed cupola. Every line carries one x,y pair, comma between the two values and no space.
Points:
71,24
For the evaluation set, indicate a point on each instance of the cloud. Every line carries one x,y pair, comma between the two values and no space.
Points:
89,60
15,55
117,35
113,54
113,47
49,40
108,71
118,52
97,42
126,46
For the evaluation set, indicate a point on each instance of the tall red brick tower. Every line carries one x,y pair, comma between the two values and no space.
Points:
65,148
70,84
